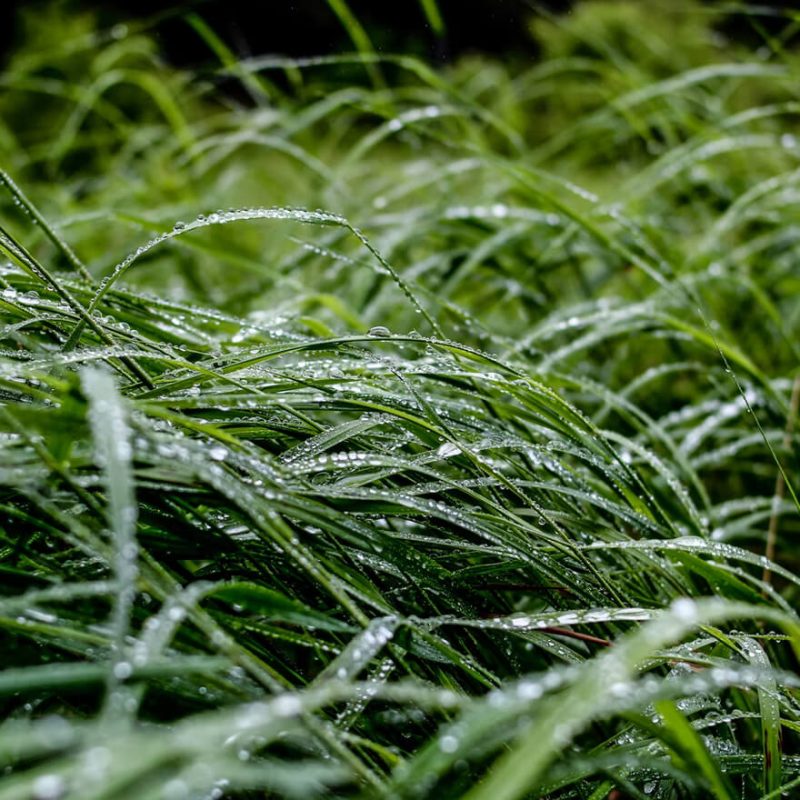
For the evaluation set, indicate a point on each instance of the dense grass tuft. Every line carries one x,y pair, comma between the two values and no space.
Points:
392,432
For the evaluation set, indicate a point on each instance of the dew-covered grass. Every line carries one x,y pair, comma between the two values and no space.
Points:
370,429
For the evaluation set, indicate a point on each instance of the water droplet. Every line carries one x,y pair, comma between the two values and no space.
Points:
286,705
500,210
684,609
175,790
217,453
122,670
49,787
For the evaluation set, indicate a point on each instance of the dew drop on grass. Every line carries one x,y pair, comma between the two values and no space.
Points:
96,762
286,705
49,787
448,744
217,453
684,609
175,790
499,210
379,330
530,690
122,670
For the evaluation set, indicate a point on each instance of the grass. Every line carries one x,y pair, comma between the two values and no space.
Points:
375,431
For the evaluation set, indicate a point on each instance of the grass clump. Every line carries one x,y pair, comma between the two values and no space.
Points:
419,436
